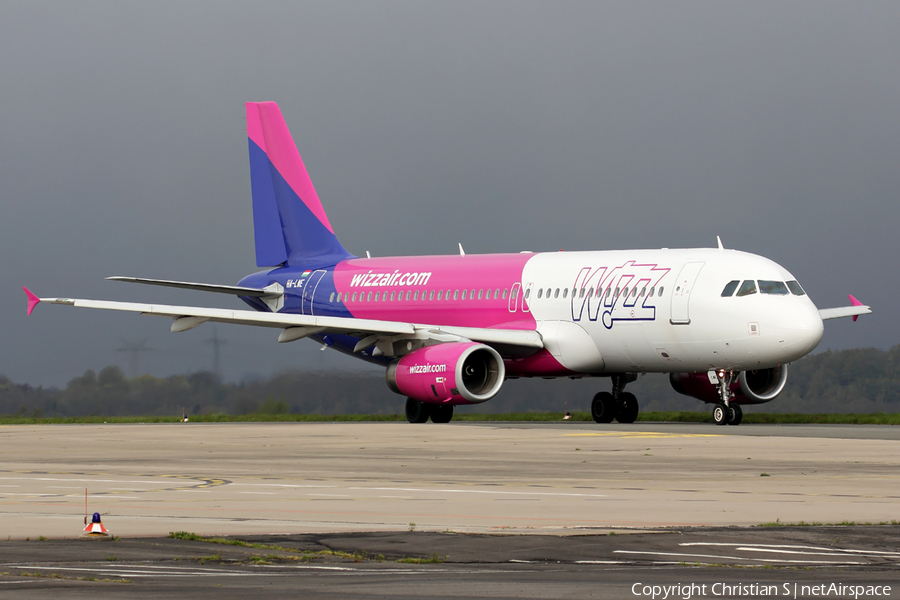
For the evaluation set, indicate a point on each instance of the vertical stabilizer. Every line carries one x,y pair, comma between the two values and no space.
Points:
289,223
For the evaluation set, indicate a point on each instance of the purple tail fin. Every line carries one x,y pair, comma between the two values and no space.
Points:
289,223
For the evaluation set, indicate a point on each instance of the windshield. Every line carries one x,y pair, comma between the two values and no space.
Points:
773,287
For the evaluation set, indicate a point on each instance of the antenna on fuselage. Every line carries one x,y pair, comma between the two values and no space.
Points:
461,251
719,241
368,255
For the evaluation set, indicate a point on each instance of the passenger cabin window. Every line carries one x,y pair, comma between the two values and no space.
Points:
773,287
440,294
795,288
431,295
540,292
527,293
455,294
565,292
504,293
660,291
747,288
729,288
464,294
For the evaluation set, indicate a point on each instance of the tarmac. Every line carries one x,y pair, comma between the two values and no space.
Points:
482,510
273,478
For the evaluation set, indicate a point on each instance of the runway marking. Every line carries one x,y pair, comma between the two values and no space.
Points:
793,546
742,558
497,492
641,434
134,572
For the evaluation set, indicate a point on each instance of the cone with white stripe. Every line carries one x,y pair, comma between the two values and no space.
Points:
95,528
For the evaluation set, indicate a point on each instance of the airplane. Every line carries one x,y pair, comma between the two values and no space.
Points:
450,329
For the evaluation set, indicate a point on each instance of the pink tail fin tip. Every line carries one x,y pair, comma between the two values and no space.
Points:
854,302
32,299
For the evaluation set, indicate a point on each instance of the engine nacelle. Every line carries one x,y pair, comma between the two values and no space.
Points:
451,373
750,387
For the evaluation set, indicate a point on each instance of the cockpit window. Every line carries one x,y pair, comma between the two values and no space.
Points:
773,287
747,288
795,288
729,288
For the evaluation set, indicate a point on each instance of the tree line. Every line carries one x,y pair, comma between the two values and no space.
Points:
863,380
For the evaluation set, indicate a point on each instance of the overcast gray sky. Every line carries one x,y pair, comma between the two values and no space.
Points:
502,125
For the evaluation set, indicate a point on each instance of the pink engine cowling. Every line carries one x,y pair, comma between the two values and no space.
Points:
750,387
451,373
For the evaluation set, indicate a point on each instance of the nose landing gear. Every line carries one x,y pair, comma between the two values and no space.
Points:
619,405
724,412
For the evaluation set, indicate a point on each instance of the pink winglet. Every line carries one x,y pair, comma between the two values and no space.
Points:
32,299
854,302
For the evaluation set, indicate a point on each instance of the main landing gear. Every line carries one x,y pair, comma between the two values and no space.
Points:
619,405
724,412
419,412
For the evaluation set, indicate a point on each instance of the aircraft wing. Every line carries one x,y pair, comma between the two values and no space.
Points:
299,326
857,308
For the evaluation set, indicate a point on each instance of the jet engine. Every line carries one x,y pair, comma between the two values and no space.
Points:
451,373
750,387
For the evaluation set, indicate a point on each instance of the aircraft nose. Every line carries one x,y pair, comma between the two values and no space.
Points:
802,330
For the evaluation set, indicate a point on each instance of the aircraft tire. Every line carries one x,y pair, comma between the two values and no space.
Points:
441,414
417,412
604,407
737,415
628,408
721,414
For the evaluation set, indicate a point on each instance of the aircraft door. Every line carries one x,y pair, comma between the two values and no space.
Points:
514,297
526,297
309,291
681,294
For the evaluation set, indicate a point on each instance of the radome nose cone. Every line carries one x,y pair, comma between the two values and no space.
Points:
806,329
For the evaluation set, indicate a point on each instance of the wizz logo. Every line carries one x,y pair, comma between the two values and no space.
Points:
625,293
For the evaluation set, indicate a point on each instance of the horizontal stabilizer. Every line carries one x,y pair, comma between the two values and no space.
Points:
235,290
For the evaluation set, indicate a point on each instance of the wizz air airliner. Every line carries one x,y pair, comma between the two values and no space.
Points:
449,330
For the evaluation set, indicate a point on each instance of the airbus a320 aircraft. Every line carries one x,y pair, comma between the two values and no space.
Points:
451,329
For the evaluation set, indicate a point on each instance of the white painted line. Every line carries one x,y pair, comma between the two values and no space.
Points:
258,493
854,551
283,485
600,562
777,551
769,560
126,572
144,481
496,492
